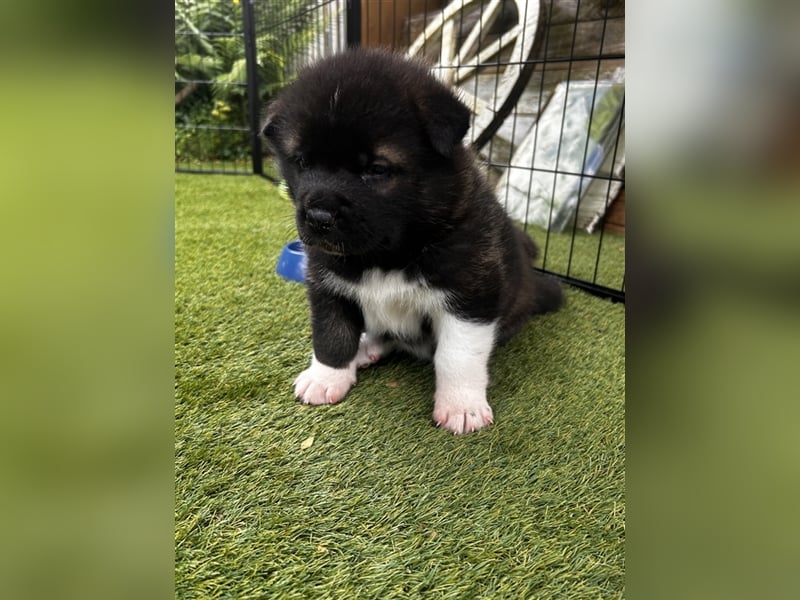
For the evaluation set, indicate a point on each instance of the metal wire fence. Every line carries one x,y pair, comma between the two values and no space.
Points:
544,80
231,57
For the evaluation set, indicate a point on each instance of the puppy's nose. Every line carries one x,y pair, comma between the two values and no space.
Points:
320,218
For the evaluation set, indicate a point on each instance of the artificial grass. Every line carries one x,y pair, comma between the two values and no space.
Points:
595,257
367,499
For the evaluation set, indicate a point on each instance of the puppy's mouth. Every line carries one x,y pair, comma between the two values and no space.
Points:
334,248
326,245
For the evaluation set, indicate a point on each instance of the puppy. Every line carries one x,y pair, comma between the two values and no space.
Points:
407,247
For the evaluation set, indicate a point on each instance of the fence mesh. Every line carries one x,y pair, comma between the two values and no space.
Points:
544,80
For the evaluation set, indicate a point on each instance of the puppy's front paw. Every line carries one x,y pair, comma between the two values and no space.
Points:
320,384
462,410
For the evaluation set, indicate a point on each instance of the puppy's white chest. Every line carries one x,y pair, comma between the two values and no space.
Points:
393,304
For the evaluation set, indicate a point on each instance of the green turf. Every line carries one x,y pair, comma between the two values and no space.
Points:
597,258
367,499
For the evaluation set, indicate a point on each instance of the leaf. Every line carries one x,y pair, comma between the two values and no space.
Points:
307,443
231,82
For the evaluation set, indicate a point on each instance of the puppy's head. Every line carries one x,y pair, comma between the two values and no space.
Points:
367,142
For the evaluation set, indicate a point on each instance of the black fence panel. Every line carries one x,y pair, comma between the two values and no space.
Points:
544,80
231,57
211,129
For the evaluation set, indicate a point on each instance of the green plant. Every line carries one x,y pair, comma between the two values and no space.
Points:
202,134
211,74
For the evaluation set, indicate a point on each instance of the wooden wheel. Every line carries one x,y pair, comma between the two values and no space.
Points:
463,53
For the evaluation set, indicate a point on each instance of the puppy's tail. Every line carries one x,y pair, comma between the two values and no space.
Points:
547,293
530,248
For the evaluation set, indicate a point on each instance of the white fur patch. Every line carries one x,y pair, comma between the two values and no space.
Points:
391,303
321,384
462,374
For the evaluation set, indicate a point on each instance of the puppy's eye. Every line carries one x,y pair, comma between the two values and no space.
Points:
302,162
376,170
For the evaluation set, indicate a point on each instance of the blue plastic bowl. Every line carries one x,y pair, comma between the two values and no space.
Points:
292,262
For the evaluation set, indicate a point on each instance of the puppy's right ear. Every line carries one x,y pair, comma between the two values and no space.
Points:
269,129
272,129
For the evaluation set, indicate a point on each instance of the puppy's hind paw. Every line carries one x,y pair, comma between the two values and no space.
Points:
320,384
462,411
370,351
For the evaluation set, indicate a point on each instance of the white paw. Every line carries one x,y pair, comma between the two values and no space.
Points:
462,410
320,384
370,351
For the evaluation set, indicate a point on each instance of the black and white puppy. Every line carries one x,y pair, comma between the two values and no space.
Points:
407,246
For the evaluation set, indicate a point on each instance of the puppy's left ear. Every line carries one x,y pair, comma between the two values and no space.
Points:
446,120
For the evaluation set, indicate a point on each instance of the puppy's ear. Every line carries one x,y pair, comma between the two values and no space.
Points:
269,129
272,129
446,120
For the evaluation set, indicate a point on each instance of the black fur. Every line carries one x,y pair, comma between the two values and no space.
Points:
371,149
